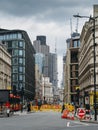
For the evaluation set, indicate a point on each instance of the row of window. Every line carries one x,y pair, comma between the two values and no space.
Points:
18,60
20,77
16,69
74,67
74,74
19,86
76,43
74,82
11,36
18,44
17,52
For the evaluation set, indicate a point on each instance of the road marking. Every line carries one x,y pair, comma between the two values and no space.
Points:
68,123
76,124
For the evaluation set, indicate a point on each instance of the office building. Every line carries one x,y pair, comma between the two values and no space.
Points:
23,61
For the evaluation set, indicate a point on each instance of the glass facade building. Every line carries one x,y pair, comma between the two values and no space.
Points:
23,61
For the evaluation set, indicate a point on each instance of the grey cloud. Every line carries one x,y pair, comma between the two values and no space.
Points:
45,10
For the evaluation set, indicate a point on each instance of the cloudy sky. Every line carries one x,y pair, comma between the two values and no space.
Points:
46,17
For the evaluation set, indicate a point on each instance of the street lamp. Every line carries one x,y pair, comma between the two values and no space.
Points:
94,44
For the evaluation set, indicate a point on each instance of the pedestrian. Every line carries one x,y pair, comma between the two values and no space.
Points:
39,104
28,107
63,107
8,112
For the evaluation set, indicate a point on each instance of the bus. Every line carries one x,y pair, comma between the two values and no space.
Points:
14,102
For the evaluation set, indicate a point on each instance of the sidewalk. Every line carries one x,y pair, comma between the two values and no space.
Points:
92,120
22,113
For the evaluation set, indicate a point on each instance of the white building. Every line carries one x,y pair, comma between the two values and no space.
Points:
47,90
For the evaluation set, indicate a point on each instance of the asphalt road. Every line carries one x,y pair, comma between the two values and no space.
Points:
43,121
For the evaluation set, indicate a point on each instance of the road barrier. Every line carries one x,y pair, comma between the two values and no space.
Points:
55,108
88,115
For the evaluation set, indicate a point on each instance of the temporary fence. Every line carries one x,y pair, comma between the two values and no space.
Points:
52,107
55,108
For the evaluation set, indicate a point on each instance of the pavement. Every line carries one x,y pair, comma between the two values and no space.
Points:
22,113
17,113
92,120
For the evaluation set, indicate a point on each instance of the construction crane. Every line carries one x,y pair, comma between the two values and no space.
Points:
71,26
77,24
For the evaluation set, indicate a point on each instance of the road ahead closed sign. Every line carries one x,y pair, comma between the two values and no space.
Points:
81,113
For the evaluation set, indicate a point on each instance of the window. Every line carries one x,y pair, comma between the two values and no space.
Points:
20,85
10,36
14,61
2,37
78,43
19,36
14,36
15,44
20,69
21,44
20,60
15,77
20,52
15,85
20,77
75,44
15,69
15,52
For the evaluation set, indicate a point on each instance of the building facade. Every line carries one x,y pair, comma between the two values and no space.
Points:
86,62
44,49
71,69
23,61
5,68
53,69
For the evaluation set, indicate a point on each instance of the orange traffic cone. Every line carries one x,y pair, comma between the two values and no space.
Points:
65,113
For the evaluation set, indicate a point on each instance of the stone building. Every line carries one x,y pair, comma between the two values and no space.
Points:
5,68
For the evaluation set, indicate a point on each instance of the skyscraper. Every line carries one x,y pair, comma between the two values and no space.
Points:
40,47
23,61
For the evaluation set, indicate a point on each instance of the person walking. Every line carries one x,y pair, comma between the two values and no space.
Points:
39,104
63,107
28,107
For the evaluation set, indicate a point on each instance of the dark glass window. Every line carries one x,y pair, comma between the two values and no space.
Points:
15,69
20,60
15,44
19,36
15,77
74,43
14,61
15,52
20,69
21,44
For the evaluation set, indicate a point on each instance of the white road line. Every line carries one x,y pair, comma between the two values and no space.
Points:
81,123
76,124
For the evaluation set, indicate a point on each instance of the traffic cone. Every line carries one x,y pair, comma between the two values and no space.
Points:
65,113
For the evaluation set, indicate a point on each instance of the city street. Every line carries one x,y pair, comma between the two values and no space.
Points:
43,121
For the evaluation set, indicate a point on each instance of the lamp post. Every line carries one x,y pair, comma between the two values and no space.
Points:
94,44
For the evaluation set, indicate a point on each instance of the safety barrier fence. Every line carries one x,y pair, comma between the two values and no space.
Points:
55,108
